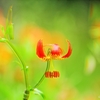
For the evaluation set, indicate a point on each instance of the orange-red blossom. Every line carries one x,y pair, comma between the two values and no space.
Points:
54,51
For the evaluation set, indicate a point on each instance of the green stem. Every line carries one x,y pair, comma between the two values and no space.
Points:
42,78
22,62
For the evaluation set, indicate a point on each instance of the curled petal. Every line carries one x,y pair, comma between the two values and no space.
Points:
39,49
69,51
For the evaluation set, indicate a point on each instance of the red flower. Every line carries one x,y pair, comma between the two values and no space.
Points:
54,52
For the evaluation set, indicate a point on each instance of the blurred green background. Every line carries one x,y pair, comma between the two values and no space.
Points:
53,21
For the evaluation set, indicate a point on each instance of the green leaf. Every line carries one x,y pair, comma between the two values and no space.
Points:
38,92
18,63
11,34
2,40
2,29
9,31
9,25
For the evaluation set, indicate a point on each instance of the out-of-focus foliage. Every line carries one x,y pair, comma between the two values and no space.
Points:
53,21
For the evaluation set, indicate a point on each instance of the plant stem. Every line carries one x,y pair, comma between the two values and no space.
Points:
22,62
42,78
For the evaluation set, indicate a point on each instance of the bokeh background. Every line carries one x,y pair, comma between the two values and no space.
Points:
53,21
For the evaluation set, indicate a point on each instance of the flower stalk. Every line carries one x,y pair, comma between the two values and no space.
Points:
26,95
21,61
42,78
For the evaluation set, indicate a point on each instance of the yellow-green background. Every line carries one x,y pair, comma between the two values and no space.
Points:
55,20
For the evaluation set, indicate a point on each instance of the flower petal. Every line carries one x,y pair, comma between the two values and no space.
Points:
39,49
69,51
56,50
